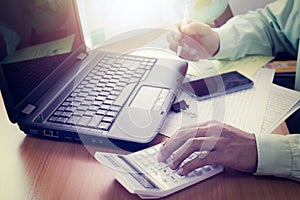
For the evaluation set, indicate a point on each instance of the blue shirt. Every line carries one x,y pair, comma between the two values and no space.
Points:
268,31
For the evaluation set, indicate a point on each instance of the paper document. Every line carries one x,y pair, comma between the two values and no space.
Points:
244,109
281,104
247,66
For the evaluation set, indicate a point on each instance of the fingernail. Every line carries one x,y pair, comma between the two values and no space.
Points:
159,156
184,28
180,171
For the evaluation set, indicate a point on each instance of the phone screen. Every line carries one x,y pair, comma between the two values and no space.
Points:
217,85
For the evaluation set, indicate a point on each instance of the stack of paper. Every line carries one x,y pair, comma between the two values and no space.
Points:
257,110
281,104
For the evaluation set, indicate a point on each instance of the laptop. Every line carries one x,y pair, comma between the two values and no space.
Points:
53,88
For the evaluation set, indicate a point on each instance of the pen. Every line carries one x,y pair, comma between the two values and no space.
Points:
184,22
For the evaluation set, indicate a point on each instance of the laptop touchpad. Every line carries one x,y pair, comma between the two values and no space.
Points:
147,97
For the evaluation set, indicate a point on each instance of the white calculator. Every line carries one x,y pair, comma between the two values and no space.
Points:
142,174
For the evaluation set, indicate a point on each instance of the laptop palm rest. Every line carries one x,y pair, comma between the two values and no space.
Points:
143,115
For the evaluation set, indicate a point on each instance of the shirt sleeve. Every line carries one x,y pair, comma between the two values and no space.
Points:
268,31
278,155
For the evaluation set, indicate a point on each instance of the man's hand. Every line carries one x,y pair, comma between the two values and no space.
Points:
197,39
224,144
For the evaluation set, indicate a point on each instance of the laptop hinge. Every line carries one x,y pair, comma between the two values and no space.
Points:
28,109
81,56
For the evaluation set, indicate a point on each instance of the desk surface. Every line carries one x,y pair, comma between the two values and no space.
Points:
33,168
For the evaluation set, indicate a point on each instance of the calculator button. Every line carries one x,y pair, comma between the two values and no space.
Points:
191,174
173,178
198,172
138,157
145,163
165,171
151,151
179,177
206,168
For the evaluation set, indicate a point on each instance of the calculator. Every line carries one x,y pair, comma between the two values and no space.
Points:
142,174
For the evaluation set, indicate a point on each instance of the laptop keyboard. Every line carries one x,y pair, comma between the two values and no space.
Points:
94,103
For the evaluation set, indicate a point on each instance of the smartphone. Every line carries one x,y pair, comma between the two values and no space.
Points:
217,85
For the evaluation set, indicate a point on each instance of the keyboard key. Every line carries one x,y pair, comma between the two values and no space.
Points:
66,114
79,113
97,103
115,108
108,102
101,112
104,126
105,107
84,120
75,104
83,107
53,119
58,113
112,97
93,107
108,119
100,98
79,99
62,120
90,113
95,121
71,109
112,114
73,120
62,108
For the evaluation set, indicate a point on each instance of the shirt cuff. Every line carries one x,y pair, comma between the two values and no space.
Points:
274,155
227,46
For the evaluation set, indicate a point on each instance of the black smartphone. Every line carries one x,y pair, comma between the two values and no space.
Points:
217,85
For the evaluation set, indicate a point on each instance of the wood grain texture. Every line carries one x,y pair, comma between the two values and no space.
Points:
38,169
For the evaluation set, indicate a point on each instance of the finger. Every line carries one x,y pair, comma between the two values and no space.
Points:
179,24
193,49
186,53
196,28
180,137
192,146
212,158
172,144
189,147
173,38
173,47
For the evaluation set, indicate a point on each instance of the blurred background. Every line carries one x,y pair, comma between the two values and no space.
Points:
104,19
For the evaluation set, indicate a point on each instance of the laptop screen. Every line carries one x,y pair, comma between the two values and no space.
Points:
36,36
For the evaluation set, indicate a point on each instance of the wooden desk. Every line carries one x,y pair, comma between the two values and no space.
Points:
39,169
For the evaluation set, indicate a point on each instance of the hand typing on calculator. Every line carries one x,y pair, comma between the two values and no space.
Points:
141,173
227,146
